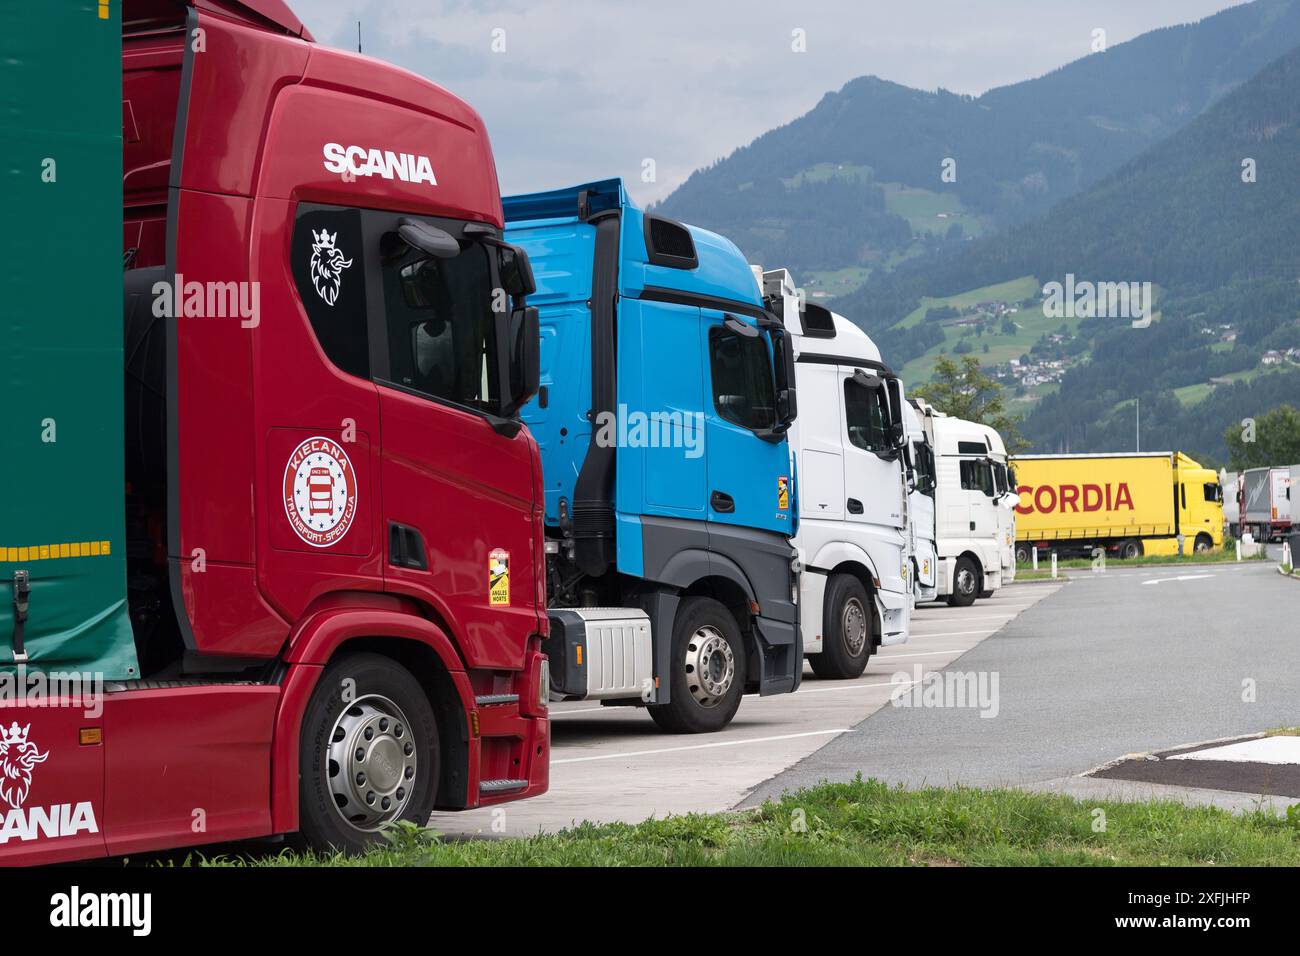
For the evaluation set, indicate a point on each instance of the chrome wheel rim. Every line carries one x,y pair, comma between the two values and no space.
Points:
372,762
853,625
710,666
966,581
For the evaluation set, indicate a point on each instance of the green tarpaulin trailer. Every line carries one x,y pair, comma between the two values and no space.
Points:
61,365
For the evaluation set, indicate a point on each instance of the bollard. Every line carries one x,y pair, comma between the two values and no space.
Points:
1286,555
1034,557
1053,564
1238,549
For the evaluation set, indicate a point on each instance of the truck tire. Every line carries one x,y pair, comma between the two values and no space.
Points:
1022,554
708,670
1129,548
1203,543
846,624
966,584
368,754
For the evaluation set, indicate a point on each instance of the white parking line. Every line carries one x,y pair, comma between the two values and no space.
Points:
721,743
949,650
986,630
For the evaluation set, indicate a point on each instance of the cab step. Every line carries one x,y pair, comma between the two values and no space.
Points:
491,787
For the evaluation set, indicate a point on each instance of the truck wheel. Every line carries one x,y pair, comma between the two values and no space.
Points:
368,754
965,583
1130,548
1203,543
846,624
708,670
1022,554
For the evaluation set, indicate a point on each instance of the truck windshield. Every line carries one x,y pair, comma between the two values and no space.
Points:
441,327
744,391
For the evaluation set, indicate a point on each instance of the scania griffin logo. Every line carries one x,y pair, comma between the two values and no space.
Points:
18,756
370,161
320,492
327,265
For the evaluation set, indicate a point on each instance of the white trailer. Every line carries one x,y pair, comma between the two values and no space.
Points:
847,445
1266,505
971,513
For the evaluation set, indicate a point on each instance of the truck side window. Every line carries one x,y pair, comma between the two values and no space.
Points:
865,416
743,388
977,476
441,328
1213,492
328,268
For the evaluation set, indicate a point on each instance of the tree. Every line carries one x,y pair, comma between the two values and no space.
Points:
1272,439
965,391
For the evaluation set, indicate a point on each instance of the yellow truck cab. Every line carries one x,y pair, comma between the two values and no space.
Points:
1126,504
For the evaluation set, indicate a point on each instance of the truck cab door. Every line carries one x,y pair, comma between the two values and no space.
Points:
873,485
458,491
749,477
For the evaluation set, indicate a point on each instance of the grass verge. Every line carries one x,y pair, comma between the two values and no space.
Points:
866,823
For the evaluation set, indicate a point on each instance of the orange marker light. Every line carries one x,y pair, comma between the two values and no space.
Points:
91,736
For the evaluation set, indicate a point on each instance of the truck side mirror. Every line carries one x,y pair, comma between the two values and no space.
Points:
897,431
525,367
516,271
428,239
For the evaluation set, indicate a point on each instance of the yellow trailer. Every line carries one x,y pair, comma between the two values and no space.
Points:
1126,504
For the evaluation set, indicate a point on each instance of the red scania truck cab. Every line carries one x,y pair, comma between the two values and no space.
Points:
326,345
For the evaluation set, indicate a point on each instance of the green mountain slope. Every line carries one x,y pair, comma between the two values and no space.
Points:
823,192
1223,251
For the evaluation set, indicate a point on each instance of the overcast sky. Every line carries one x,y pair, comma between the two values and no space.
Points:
586,89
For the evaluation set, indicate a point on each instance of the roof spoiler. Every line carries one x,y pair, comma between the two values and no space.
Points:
144,15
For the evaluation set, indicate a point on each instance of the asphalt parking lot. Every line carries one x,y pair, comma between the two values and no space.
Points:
613,764
1131,660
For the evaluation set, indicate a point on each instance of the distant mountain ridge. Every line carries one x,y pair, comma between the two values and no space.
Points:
1211,216
811,194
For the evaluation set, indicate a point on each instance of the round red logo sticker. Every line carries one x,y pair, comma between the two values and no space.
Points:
320,492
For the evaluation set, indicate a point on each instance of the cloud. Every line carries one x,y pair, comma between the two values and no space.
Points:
586,90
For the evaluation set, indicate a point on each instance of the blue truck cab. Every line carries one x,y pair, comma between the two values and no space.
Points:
666,393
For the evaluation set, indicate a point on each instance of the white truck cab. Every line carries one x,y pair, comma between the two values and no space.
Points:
972,516
847,444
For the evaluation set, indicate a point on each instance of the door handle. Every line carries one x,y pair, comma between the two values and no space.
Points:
722,502
855,506
406,547
972,525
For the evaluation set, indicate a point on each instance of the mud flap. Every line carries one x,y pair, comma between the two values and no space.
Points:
779,650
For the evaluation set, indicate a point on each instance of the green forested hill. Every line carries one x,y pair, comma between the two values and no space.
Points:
1224,251
829,190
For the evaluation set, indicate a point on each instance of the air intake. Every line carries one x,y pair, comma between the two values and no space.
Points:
669,244
818,323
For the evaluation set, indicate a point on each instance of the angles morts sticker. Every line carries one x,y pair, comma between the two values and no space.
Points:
320,492
499,578
783,493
